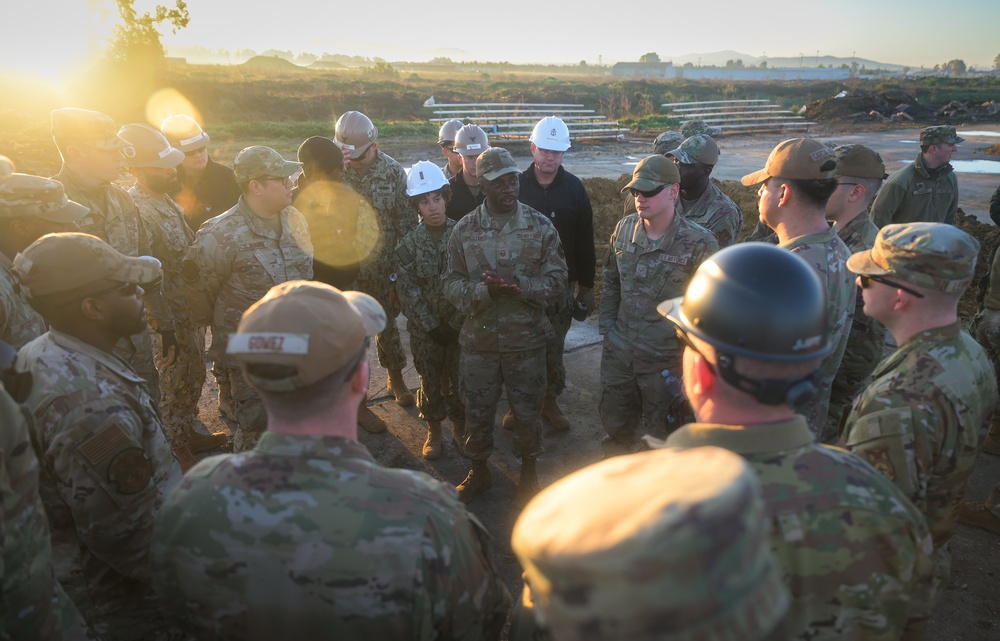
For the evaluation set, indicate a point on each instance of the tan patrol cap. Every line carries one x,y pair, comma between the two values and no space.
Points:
652,172
27,196
937,256
796,159
184,133
858,161
83,125
258,161
78,264
311,326
151,147
355,133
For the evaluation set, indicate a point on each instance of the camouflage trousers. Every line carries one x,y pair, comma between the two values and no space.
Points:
137,351
561,316
247,406
181,382
633,393
484,377
390,349
987,328
437,365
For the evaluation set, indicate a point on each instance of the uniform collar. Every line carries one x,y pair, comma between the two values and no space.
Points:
110,361
742,439
306,446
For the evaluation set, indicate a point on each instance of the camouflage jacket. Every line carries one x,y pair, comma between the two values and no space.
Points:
915,194
235,260
169,236
32,604
307,537
827,254
525,250
639,274
19,323
106,469
384,187
343,228
421,261
716,212
856,554
918,424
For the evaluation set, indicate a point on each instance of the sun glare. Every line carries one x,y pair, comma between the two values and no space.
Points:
169,102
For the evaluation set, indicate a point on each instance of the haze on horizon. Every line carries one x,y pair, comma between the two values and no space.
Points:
915,32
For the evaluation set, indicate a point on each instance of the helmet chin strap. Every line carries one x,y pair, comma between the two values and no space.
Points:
793,393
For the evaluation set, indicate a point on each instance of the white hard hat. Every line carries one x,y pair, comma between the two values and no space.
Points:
551,133
471,140
424,177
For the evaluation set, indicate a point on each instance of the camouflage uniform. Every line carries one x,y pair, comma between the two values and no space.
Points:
19,323
866,339
32,603
307,537
827,254
384,187
639,343
106,469
421,260
235,259
503,341
114,219
917,194
716,212
918,424
182,380
856,554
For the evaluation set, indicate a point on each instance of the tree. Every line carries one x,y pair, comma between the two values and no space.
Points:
954,67
652,56
137,38
734,64
763,64
996,62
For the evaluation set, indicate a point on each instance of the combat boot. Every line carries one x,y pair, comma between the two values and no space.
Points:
991,444
432,446
458,436
185,458
527,484
508,421
979,515
396,385
226,410
198,442
478,481
554,415
369,420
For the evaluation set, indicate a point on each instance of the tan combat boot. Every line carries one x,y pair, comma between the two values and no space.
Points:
508,421
554,415
527,484
458,436
369,420
991,444
185,458
979,515
432,446
396,385
198,442
478,481
226,410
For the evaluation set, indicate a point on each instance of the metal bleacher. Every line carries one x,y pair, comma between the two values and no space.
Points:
738,116
514,121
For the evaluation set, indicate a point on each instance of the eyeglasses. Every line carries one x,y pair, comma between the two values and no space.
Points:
550,152
867,278
647,194
362,354
196,152
683,339
286,180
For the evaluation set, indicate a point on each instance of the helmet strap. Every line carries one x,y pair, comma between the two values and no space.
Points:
793,393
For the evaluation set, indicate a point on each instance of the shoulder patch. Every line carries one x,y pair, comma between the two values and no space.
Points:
190,271
879,458
404,255
130,470
101,447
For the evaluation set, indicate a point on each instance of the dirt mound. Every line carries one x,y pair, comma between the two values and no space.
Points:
271,62
988,237
993,150
865,106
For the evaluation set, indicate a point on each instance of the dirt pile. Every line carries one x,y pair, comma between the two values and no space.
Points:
988,237
993,150
862,106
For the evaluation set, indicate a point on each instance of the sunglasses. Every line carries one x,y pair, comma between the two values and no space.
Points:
683,339
647,194
866,282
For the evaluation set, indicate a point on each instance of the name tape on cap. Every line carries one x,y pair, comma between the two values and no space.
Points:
268,343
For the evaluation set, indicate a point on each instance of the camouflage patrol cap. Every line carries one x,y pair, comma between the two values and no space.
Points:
26,196
936,256
257,162
698,148
6,167
355,133
693,127
939,134
666,544
311,326
448,131
667,141
495,162
858,161
184,133
77,264
796,159
151,147
652,172
82,125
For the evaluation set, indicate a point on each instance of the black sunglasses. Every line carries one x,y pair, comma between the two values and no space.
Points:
647,194
867,278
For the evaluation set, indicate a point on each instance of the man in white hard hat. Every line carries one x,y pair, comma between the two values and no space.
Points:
470,141
204,188
446,140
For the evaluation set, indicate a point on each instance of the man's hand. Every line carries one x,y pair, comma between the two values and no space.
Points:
498,286
585,295
168,349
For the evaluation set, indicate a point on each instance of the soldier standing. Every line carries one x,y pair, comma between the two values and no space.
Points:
855,552
93,156
107,466
179,347
261,242
357,551
382,182
505,266
470,142
918,421
446,140
652,255
548,188
433,321
700,200
204,188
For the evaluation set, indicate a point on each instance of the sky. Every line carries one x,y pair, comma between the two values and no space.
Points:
49,36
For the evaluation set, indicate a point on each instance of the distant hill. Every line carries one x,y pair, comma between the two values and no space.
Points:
327,64
719,59
271,62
